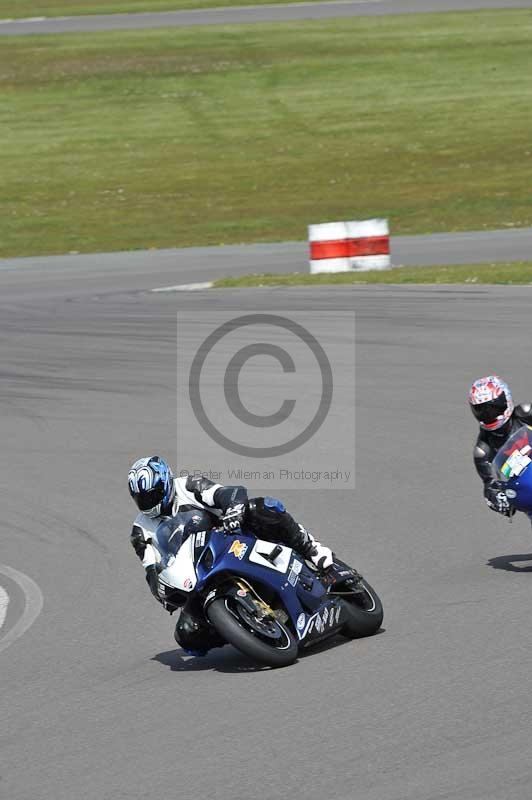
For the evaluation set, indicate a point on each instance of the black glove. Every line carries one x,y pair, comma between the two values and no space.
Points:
233,518
495,497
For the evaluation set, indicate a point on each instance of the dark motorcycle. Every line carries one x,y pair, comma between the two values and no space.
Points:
262,597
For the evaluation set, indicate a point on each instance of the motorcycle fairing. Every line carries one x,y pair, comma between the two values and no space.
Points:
179,572
204,567
512,466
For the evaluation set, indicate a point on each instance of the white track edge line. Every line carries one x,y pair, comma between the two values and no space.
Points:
33,606
4,602
187,10
185,287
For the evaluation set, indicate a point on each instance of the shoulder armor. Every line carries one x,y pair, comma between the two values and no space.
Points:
524,410
481,451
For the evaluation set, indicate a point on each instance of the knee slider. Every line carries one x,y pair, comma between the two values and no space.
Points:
185,628
186,625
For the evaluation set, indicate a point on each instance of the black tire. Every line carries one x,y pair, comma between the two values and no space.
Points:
364,612
223,615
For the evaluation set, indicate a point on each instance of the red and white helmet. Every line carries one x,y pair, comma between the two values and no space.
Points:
491,402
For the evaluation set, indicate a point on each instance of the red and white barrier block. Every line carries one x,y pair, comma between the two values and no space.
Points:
349,246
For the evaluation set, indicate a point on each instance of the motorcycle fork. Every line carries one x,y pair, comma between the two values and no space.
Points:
264,609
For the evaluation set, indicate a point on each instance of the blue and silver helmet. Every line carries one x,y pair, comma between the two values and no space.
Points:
151,485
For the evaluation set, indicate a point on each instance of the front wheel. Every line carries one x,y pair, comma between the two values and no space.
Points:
265,640
363,610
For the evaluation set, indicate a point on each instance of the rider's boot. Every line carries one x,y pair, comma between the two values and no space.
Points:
348,577
270,519
306,545
322,557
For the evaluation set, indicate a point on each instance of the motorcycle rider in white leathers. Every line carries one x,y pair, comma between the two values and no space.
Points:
159,495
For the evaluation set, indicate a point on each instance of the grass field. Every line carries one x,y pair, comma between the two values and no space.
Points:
178,137
516,272
18,9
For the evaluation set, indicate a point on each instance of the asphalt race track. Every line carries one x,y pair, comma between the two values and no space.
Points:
97,702
148,269
247,14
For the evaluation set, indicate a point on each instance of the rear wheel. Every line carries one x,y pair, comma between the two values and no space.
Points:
265,639
363,610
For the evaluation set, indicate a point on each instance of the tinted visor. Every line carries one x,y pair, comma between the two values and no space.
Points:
147,500
488,412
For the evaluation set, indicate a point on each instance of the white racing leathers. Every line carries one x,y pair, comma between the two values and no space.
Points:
268,521
190,493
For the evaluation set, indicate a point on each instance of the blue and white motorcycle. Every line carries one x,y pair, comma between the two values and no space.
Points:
512,465
262,597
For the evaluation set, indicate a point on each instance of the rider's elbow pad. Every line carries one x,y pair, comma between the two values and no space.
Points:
227,496
483,464
138,541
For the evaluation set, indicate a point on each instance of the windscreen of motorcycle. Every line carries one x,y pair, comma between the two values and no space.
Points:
515,456
169,534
